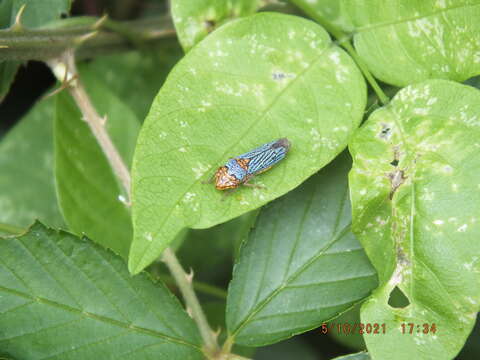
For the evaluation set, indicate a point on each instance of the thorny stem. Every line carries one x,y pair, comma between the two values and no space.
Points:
184,283
92,35
65,70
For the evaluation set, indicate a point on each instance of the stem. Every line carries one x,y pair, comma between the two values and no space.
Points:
199,286
184,283
344,41
64,69
91,36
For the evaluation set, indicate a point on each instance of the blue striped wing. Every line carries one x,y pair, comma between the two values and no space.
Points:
266,155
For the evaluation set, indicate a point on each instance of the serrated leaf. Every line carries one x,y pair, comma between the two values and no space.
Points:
36,13
407,42
89,194
244,85
67,298
415,199
301,265
194,20
26,170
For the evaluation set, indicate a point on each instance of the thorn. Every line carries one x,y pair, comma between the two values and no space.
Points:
81,39
217,332
64,85
189,276
17,26
103,120
98,24
189,312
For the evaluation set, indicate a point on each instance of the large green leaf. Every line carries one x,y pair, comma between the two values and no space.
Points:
301,265
244,85
403,42
88,191
66,298
36,13
26,170
194,20
416,209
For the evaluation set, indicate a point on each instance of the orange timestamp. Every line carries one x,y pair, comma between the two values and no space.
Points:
355,328
412,328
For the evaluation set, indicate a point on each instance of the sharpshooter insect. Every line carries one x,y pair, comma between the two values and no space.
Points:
241,169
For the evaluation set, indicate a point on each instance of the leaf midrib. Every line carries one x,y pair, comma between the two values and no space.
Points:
101,318
360,29
284,284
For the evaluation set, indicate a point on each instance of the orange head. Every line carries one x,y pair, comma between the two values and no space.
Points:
223,180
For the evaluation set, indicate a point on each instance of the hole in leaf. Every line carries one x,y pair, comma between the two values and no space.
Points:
398,299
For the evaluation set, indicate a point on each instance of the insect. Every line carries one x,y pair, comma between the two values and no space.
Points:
239,170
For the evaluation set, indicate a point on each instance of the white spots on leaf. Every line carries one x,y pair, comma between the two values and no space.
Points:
183,124
335,57
244,202
182,149
454,187
363,192
420,111
192,71
291,34
200,169
162,135
148,236
447,169
122,199
462,228
380,221
440,4
438,222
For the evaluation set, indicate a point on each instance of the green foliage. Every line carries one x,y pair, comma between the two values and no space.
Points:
219,102
80,302
26,171
301,265
404,42
415,202
246,79
196,19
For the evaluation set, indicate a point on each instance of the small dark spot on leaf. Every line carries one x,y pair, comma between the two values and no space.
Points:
386,132
394,162
209,25
63,15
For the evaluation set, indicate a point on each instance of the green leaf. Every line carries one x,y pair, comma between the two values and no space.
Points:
194,20
415,200
222,241
406,42
143,71
26,170
89,194
63,297
8,70
244,85
353,340
357,356
286,350
301,265
35,14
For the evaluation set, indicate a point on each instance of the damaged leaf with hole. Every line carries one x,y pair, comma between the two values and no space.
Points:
415,190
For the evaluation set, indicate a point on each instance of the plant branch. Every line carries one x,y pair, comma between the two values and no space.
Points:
91,36
65,70
184,283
